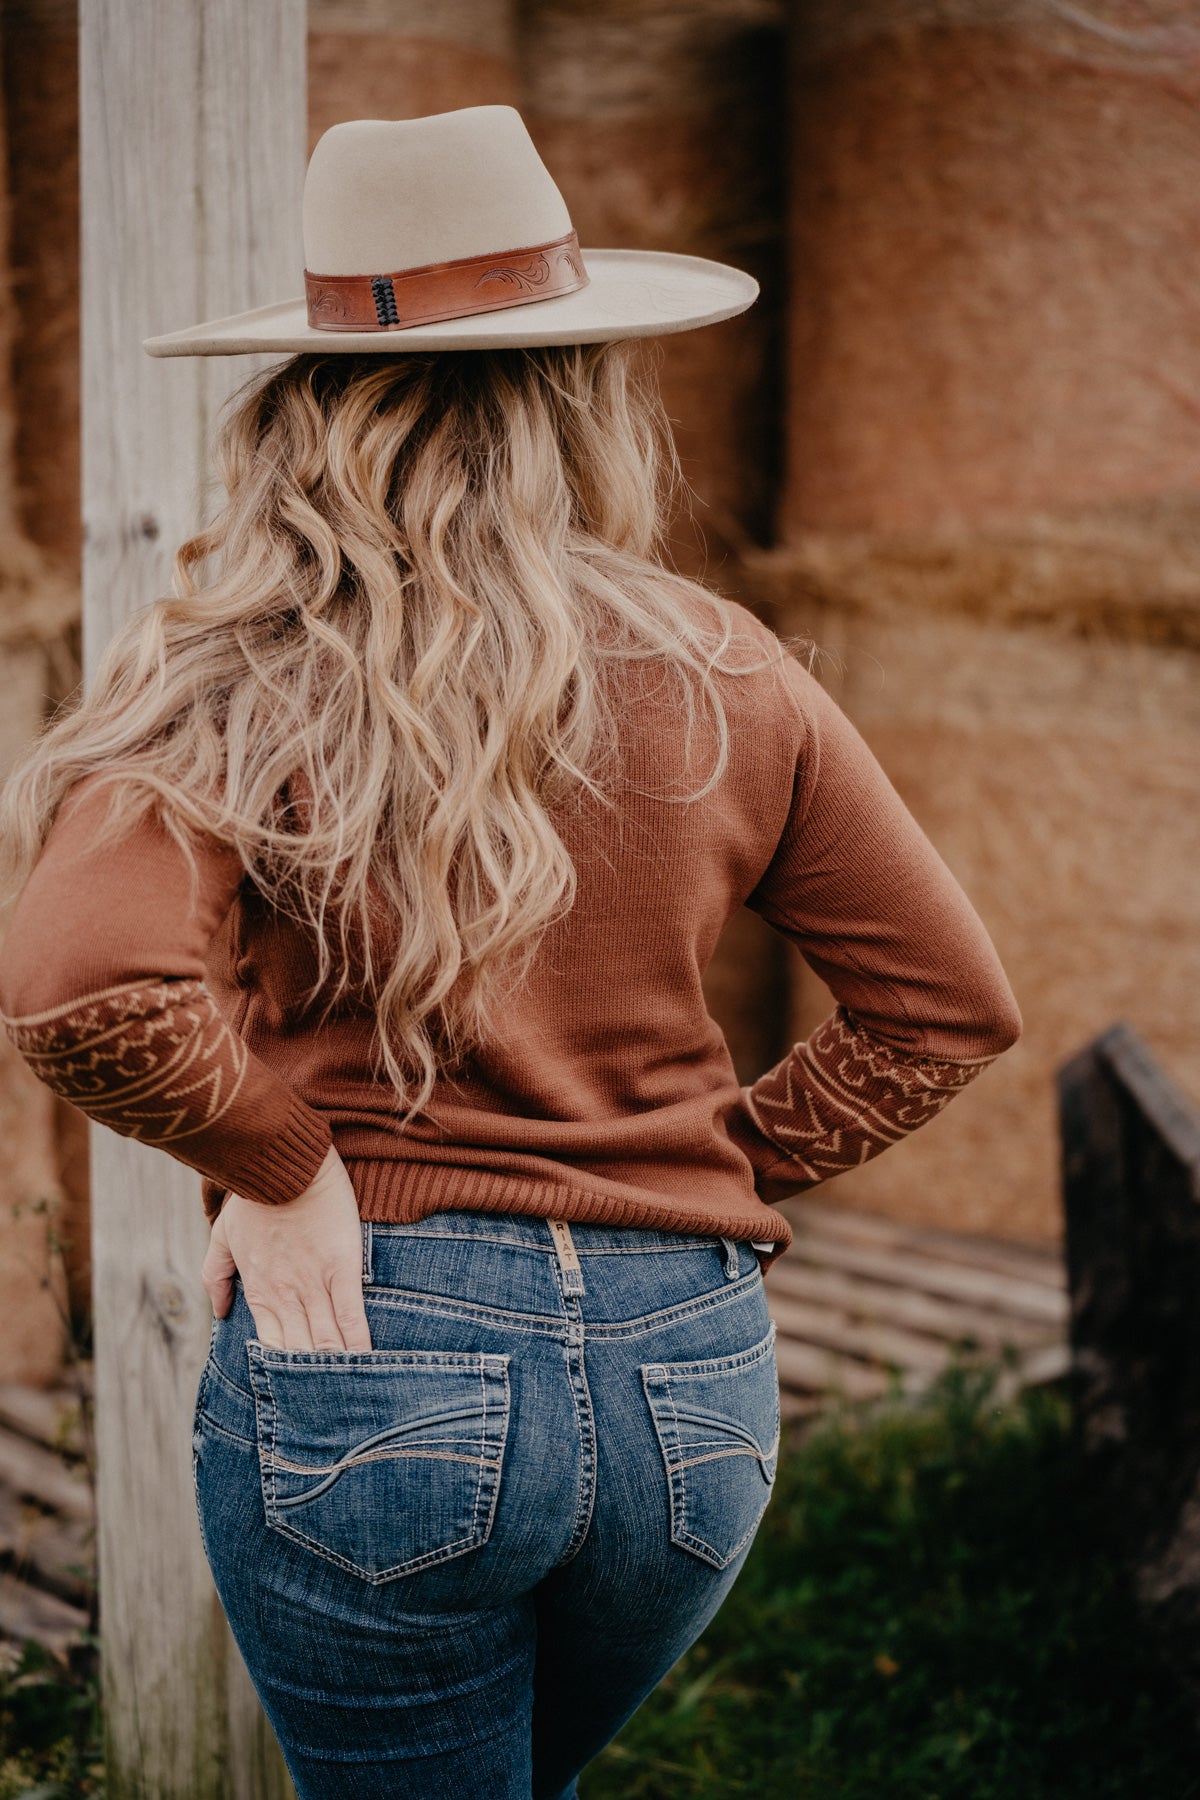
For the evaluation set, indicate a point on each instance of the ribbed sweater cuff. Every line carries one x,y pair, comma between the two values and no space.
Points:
284,1166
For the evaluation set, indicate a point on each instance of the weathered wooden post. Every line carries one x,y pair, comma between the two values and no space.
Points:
1131,1179
192,157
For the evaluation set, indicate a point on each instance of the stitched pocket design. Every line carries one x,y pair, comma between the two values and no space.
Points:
718,1427
381,1461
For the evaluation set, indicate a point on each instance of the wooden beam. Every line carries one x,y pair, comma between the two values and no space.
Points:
882,1303
192,155
927,1274
1131,1186
1025,1261
829,1328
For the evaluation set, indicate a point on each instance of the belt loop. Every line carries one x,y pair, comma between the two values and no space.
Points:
733,1267
368,1257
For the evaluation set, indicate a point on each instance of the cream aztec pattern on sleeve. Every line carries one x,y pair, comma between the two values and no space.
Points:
844,1095
157,1063
155,1060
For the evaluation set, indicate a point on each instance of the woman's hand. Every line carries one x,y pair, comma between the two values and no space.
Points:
300,1264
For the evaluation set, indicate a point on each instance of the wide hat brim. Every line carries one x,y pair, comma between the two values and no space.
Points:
630,294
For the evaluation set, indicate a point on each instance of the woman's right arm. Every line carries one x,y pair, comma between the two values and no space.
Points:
102,991
922,1003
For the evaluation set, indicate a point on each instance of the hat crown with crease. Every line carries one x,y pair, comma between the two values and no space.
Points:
385,195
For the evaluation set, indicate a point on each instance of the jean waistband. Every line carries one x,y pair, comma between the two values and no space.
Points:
532,1233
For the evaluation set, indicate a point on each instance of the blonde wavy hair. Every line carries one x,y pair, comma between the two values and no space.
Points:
382,665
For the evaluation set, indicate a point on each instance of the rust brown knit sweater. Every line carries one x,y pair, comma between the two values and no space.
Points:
173,1013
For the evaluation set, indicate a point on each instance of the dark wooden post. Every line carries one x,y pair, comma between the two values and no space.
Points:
1131,1178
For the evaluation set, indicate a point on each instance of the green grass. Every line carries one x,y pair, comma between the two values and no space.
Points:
930,1612
50,1728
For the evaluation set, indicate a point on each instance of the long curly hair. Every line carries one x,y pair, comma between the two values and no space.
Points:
382,666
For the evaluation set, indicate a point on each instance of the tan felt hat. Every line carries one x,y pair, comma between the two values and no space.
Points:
448,233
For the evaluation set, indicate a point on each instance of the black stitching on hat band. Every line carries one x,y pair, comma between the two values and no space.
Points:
385,300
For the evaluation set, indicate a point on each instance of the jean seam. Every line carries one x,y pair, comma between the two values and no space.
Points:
364,1359
581,1400
719,1365
725,1295
206,1422
216,1371
550,1324
510,1243
542,1324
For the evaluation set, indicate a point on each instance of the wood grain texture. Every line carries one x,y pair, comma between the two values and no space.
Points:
861,1300
192,151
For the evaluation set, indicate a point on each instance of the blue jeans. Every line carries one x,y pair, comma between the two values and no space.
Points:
456,1563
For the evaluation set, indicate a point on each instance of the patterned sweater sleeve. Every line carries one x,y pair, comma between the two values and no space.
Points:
922,1002
102,991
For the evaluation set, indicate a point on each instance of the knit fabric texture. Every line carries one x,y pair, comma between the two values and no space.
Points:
175,1006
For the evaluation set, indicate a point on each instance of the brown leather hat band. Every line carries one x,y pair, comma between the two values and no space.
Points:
453,290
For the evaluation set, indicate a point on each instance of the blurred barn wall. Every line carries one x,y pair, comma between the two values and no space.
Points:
957,442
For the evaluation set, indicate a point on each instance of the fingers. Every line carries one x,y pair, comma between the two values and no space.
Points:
325,1319
299,1266
293,1320
346,1297
268,1327
323,1326
217,1272
281,1323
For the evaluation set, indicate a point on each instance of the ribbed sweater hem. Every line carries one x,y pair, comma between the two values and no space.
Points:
401,1193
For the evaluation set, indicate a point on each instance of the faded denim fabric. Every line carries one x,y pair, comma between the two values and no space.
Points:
456,1563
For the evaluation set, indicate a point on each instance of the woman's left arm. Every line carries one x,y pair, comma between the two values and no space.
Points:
102,991
923,1005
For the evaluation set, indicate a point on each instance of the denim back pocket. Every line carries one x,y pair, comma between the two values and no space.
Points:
382,1461
718,1426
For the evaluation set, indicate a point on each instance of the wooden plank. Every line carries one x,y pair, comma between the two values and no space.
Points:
825,1372
903,1268
832,1329
192,157
1037,1368
46,1549
40,1474
48,1416
1162,1104
1023,1262
799,1406
876,1300
27,1613
1131,1190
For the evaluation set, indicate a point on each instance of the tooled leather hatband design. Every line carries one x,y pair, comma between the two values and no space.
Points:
452,290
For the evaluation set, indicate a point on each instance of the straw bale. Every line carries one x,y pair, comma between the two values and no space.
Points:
661,123
1060,778
993,263
42,97
1126,570
401,59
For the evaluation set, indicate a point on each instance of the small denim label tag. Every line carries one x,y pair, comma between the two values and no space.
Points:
568,1258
